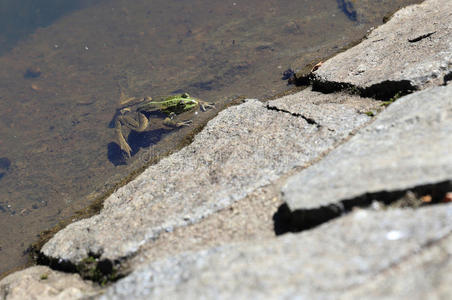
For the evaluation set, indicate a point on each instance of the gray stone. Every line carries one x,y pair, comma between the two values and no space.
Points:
337,112
245,147
424,276
408,145
40,282
318,264
414,49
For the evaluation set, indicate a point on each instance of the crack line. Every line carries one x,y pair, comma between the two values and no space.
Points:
307,119
287,220
421,37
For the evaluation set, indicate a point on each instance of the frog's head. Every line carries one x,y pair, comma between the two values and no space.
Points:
187,102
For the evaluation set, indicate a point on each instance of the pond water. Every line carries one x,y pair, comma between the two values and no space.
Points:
64,70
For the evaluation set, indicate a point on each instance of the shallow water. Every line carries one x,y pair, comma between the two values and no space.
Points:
61,82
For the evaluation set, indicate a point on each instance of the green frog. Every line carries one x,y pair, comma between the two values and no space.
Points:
133,111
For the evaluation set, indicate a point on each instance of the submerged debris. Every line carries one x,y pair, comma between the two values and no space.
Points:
348,9
32,72
288,74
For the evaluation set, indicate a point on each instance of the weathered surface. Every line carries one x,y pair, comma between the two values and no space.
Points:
424,276
406,146
413,49
317,264
245,147
40,282
337,112
245,220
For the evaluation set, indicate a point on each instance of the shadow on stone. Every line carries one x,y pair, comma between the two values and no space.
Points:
101,271
447,77
298,220
385,90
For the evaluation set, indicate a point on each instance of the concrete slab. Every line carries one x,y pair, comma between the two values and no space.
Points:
407,145
40,282
338,112
424,276
411,51
319,264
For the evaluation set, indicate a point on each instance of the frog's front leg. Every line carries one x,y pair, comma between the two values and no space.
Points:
170,122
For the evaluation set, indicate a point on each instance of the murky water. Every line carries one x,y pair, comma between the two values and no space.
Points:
60,86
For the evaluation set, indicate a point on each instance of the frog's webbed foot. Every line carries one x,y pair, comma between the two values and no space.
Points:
121,140
205,105
184,123
172,123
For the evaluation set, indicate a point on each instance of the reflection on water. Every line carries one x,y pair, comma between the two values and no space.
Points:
61,85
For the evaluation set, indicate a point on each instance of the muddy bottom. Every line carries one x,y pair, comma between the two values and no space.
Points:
60,88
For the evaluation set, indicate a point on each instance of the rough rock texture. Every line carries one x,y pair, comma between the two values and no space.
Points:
413,49
339,112
245,220
406,146
40,282
317,264
424,276
245,147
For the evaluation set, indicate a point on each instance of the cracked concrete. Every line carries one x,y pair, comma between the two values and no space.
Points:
401,55
317,264
245,147
339,112
407,145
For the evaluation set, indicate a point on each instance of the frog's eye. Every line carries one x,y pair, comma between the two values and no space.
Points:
185,95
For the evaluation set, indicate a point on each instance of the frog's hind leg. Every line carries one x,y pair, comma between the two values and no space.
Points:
139,126
131,123
120,138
